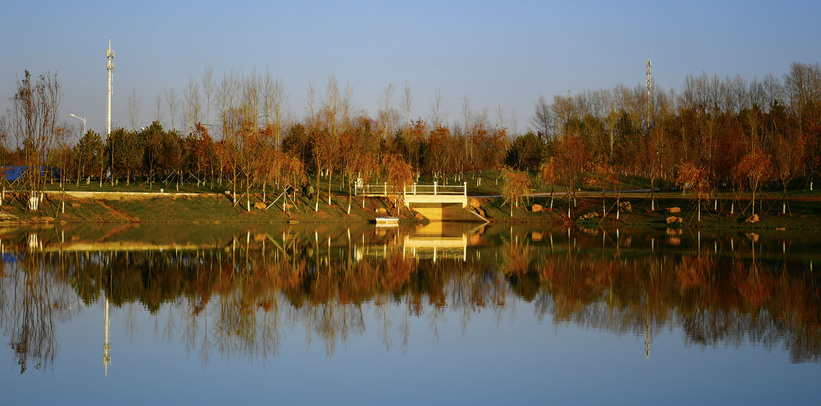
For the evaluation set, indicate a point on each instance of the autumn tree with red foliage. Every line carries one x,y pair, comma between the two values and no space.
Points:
572,158
692,177
754,168
517,187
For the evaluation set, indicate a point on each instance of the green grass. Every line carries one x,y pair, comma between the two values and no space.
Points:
804,206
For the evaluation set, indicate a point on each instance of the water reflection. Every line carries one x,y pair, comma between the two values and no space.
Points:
237,293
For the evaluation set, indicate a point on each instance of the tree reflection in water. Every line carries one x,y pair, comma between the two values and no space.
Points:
240,298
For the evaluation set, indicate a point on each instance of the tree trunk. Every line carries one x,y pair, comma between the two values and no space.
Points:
753,202
318,172
248,191
234,186
784,202
350,196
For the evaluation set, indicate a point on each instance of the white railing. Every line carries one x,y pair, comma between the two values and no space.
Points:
377,190
435,189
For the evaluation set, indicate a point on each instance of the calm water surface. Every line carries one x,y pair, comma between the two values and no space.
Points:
442,314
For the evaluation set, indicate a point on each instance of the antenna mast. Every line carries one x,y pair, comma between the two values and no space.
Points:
107,345
649,89
109,67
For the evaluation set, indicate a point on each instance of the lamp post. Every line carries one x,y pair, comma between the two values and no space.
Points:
81,118
81,137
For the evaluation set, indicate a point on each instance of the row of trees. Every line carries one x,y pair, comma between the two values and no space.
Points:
727,132
712,133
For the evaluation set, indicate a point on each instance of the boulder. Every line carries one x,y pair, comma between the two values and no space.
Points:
537,208
672,210
674,231
476,206
381,211
626,207
260,206
590,215
752,219
673,219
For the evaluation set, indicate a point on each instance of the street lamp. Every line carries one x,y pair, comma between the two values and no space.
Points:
81,118
81,137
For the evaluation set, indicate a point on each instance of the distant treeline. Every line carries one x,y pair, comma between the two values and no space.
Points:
712,132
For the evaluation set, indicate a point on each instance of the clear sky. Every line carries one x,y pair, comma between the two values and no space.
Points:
497,53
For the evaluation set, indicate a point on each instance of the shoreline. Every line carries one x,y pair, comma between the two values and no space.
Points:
88,207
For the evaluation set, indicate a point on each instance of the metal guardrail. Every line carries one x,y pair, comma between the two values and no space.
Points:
436,189
377,190
415,189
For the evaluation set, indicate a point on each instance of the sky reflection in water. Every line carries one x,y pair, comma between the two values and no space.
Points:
261,316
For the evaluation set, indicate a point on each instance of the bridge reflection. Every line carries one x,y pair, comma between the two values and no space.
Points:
434,241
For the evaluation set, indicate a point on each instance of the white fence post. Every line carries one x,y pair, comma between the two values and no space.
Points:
466,188
434,188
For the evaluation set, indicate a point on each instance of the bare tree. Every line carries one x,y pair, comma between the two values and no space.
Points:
133,108
192,103
385,114
311,101
330,112
34,115
347,105
274,100
802,86
226,99
436,115
158,108
208,90
407,103
331,107
467,114
514,120
171,102
246,114
542,120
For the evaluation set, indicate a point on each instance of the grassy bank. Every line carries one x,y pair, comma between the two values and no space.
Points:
668,211
206,208
211,204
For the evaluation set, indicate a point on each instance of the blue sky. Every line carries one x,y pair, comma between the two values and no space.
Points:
497,53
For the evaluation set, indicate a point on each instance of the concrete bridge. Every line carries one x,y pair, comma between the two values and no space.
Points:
436,202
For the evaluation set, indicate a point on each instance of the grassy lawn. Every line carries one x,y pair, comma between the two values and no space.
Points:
804,206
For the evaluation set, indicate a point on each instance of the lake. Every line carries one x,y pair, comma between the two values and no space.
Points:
436,314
